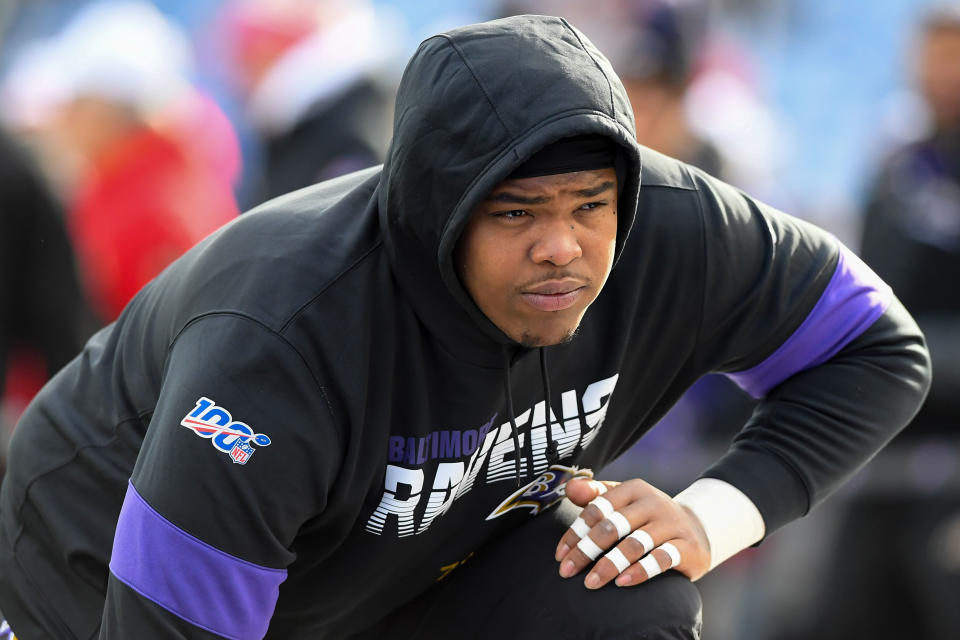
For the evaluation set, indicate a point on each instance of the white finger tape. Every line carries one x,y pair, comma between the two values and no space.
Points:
599,487
621,523
580,527
618,559
672,552
644,539
589,548
651,566
604,505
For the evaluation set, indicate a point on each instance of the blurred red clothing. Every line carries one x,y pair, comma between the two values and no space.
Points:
144,202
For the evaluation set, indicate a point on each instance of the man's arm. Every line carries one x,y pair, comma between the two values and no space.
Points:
840,368
800,322
240,452
813,431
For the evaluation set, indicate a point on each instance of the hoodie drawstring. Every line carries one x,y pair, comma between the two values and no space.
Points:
553,456
513,418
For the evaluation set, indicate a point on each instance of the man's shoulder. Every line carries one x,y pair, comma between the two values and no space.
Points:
659,170
272,261
322,196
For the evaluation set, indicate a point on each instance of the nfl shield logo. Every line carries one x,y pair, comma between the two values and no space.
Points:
241,452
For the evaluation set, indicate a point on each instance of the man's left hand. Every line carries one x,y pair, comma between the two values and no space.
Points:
655,534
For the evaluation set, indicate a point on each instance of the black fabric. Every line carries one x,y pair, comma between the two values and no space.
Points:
862,364
139,617
577,153
510,588
551,451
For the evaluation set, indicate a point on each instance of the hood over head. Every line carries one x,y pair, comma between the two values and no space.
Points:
473,104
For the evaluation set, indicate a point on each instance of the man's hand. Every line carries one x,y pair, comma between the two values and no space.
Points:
644,520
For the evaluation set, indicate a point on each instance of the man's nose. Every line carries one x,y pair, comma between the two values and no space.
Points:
556,242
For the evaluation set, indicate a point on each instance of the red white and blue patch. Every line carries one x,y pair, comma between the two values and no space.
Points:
228,436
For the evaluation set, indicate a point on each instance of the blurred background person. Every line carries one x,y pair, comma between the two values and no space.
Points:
314,76
656,69
897,552
44,318
145,163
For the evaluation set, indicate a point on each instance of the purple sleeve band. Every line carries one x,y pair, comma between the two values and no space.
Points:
853,300
196,582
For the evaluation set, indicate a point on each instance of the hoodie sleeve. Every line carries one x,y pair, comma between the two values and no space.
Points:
798,321
240,453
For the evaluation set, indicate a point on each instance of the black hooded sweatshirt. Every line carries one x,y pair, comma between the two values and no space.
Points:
307,421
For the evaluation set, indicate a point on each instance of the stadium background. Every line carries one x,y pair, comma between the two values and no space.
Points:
798,102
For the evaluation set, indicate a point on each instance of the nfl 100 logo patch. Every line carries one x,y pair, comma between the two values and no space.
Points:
227,435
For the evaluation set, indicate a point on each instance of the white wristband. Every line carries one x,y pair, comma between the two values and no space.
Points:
730,520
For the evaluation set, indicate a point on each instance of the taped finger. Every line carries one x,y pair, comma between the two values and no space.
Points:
589,548
603,505
621,523
618,559
672,552
650,565
646,542
598,486
580,527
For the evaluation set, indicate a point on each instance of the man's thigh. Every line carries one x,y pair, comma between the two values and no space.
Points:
511,588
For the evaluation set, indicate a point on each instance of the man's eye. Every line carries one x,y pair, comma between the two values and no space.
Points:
592,205
511,215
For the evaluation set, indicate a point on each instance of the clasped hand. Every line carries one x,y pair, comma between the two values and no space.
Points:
630,532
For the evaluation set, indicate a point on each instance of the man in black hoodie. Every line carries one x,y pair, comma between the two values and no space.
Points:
329,405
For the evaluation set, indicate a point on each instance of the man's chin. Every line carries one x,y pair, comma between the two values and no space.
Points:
532,340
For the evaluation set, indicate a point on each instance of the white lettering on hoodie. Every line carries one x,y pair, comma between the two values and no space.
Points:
403,486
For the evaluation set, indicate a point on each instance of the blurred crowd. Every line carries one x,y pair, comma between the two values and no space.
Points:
132,129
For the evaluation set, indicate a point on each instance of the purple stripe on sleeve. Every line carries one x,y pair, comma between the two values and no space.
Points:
196,582
853,300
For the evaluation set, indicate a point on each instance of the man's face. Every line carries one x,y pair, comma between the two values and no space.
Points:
940,74
537,251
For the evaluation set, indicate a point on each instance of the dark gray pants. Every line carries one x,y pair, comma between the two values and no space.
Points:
511,589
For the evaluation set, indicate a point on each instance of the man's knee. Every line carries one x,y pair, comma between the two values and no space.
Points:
665,608
512,589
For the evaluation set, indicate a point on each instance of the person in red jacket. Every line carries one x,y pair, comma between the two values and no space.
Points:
147,162
145,198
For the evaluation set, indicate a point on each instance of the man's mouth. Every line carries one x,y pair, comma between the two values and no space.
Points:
554,295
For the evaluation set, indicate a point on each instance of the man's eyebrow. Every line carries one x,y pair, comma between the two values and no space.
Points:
514,198
594,191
